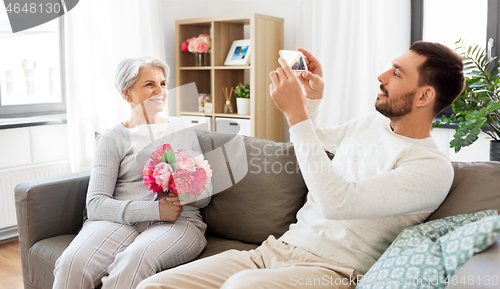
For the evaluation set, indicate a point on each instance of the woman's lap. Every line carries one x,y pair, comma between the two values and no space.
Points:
128,256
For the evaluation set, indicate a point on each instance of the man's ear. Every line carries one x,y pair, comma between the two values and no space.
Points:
426,97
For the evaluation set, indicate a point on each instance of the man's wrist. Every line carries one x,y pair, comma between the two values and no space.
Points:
296,118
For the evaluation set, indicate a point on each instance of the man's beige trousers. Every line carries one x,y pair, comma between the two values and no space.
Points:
274,264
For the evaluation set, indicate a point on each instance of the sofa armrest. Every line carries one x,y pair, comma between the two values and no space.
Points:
50,207
483,269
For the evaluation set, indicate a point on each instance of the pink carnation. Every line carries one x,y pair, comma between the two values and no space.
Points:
193,45
184,46
161,174
149,180
206,167
159,152
183,182
186,164
202,47
199,181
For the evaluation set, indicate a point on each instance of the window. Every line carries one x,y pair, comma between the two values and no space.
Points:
446,21
31,69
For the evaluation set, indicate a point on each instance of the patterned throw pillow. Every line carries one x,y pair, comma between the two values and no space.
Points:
414,259
461,244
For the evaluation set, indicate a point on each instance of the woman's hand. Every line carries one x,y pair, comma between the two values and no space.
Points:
312,80
170,208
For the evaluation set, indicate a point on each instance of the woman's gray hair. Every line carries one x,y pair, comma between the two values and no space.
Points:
128,71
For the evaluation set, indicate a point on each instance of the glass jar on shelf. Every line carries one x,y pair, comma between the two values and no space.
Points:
207,103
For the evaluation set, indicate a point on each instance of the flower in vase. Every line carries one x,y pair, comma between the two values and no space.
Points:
202,47
200,44
184,46
193,45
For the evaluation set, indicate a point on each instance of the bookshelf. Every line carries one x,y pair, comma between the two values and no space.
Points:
266,39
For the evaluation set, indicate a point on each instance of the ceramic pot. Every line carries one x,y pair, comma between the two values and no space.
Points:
495,151
243,105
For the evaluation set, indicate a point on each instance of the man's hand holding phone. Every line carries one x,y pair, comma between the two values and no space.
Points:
312,79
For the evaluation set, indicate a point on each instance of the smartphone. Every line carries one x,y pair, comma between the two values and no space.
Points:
294,59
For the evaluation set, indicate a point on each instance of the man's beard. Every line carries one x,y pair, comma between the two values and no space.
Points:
395,108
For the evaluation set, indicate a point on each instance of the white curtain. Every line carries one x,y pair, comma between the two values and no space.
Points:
99,35
355,41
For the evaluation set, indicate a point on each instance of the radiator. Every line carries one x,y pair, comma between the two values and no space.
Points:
9,178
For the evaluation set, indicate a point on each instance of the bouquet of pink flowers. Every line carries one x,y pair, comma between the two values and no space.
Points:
200,44
181,172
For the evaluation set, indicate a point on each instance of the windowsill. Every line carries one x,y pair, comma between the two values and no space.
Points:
7,123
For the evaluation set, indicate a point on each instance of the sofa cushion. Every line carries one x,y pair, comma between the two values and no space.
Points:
43,256
416,255
218,245
461,244
474,188
265,201
484,268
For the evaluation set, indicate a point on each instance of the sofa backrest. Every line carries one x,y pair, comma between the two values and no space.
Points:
265,201
476,187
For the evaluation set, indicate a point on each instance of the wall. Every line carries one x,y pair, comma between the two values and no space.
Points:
478,151
47,143
289,10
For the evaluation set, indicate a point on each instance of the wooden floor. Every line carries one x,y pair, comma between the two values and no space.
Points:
11,275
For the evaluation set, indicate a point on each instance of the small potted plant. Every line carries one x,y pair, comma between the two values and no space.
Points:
242,94
478,107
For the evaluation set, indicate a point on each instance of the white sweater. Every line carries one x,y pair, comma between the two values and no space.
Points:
377,184
116,191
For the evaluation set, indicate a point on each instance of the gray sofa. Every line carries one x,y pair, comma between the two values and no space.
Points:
263,203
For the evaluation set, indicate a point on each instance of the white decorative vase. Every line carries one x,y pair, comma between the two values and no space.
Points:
243,105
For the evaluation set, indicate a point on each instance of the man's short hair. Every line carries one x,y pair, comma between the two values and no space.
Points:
443,70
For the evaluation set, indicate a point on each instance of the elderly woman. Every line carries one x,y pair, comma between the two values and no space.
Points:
130,235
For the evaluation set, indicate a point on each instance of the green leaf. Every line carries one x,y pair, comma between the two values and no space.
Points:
494,105
478,84
465,125
475,48
471,118
436,124
169,158
480,122
469,139
476,74
455,143
460,132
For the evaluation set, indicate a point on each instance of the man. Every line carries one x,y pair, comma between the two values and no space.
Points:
387,174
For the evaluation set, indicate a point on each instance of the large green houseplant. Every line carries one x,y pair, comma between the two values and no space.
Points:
478,107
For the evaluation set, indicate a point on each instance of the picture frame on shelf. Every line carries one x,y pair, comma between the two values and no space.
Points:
239,53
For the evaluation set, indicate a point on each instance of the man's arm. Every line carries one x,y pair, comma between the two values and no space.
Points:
417,186
298,95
